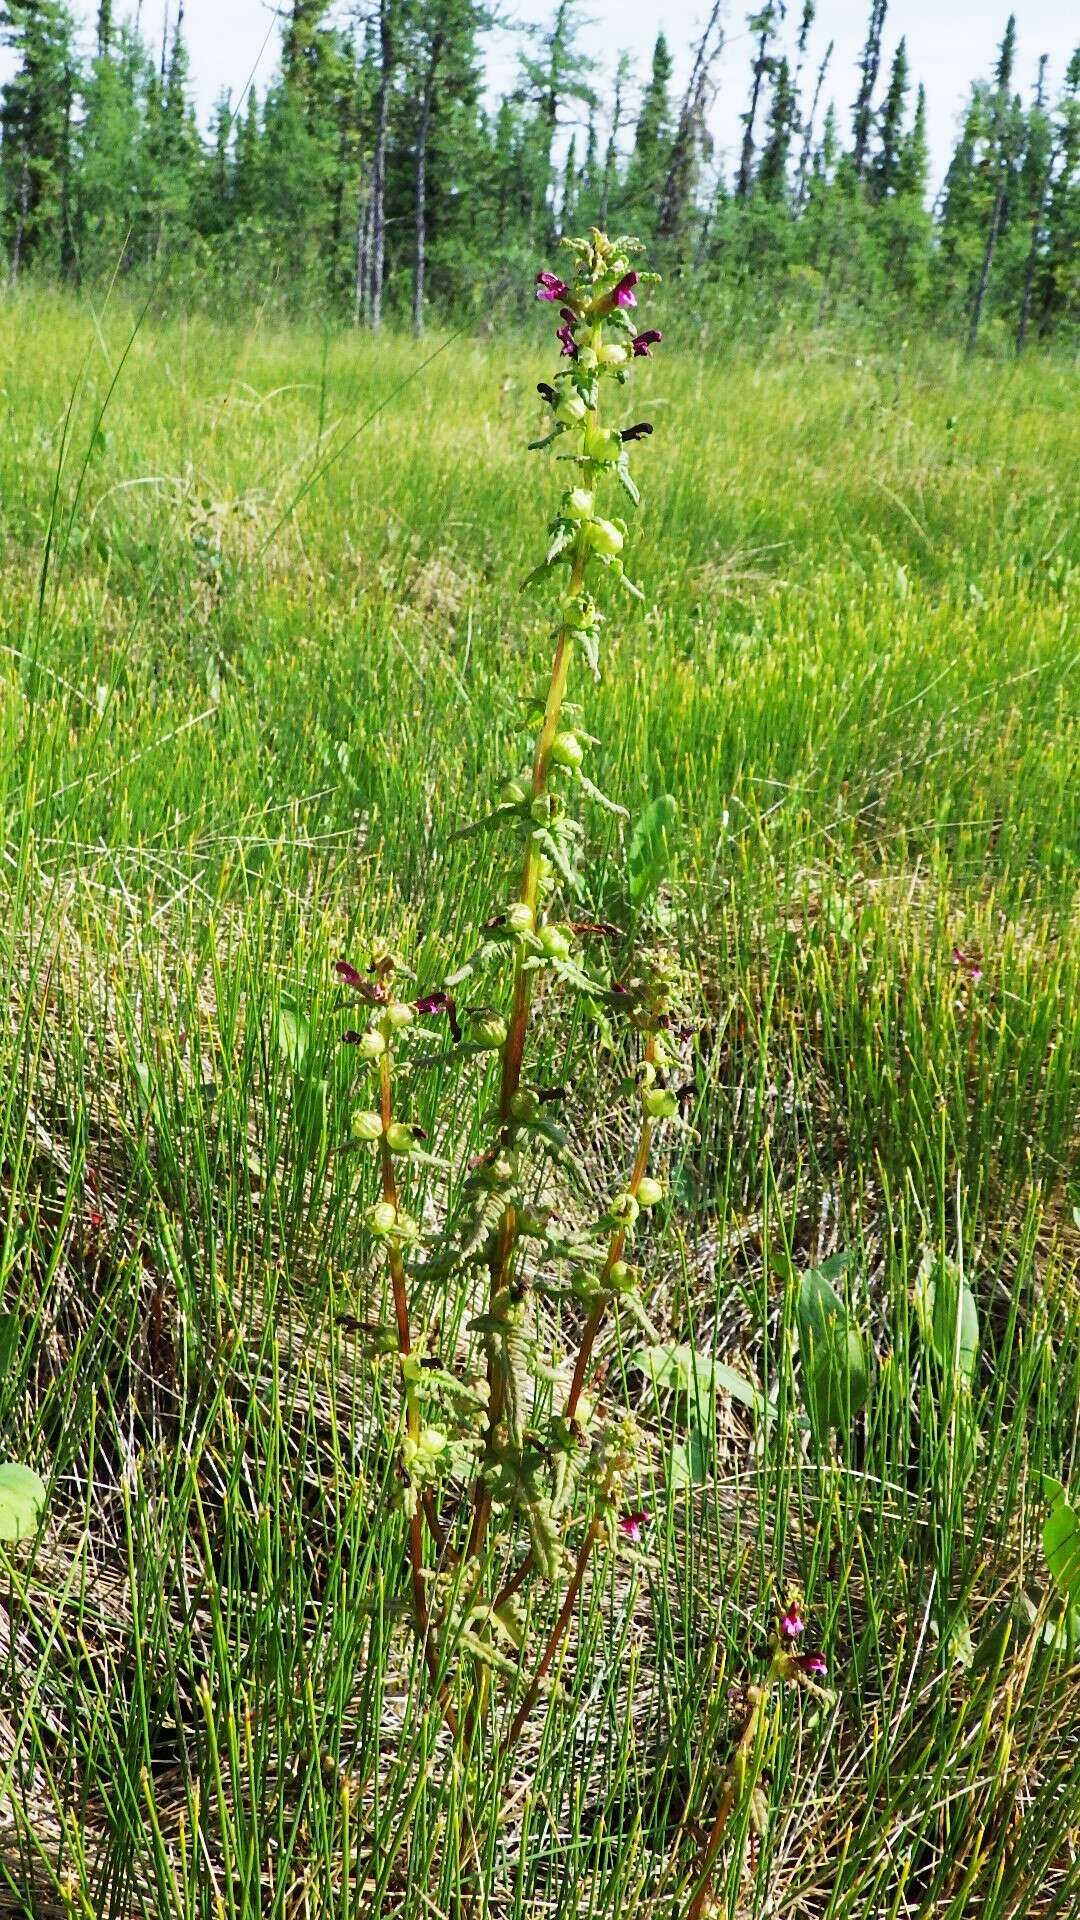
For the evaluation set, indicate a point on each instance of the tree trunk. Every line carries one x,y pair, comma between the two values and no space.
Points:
677,184
808,137
423,132
378,165
20,224
363,242
984,272
1037,217
746,158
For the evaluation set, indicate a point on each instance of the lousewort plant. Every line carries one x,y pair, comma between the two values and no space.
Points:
512,1474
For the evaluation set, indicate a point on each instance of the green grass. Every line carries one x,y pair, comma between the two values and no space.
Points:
249,689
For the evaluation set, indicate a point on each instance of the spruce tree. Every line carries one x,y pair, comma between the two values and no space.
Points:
36,132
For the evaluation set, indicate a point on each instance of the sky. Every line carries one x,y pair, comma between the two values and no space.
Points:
950,42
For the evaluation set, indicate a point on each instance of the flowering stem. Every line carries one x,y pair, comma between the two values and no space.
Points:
596,1317
614,1253
592,1534
421,1617
514,1049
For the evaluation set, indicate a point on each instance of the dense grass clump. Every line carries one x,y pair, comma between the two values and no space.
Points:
257,668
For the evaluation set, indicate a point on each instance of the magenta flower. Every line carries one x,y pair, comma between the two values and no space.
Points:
633,1526
373,991
440,1002
971,967
549,286
643,341
565,333
791,1622
623,294
812,1664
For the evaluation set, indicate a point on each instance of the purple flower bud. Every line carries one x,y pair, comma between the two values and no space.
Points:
791,1622
549,286
623,294
640,431
813,1664
565,334
643,341
633,1526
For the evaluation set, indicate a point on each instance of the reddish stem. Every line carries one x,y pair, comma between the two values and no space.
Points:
556,1635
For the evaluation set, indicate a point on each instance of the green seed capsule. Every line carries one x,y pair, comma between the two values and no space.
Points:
602,445
578,503
399,1014
382,1217
567,750
400,1137
604,537
525,1106
624,1209
660,1103
520,918
555,942
366,1126
371,1045
622,1277
512,793
649,1191
488,1030
570,409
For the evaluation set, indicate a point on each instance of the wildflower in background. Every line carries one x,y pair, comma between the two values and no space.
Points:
970,966
633,1525
642,342
549,286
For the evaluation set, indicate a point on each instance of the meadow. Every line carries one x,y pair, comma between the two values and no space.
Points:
262,650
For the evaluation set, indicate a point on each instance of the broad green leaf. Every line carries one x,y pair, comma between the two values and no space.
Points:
949,1316
650,856
9,1340
1009,1630
689,1460
684,1369
292,1033
22,1497
834,1366
1061,1545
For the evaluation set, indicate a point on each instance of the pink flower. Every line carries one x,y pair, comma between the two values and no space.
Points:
565,333
373,991
440,1002
791,1622
813,1664
971,967
549,286
643,341
623,294
633,1525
